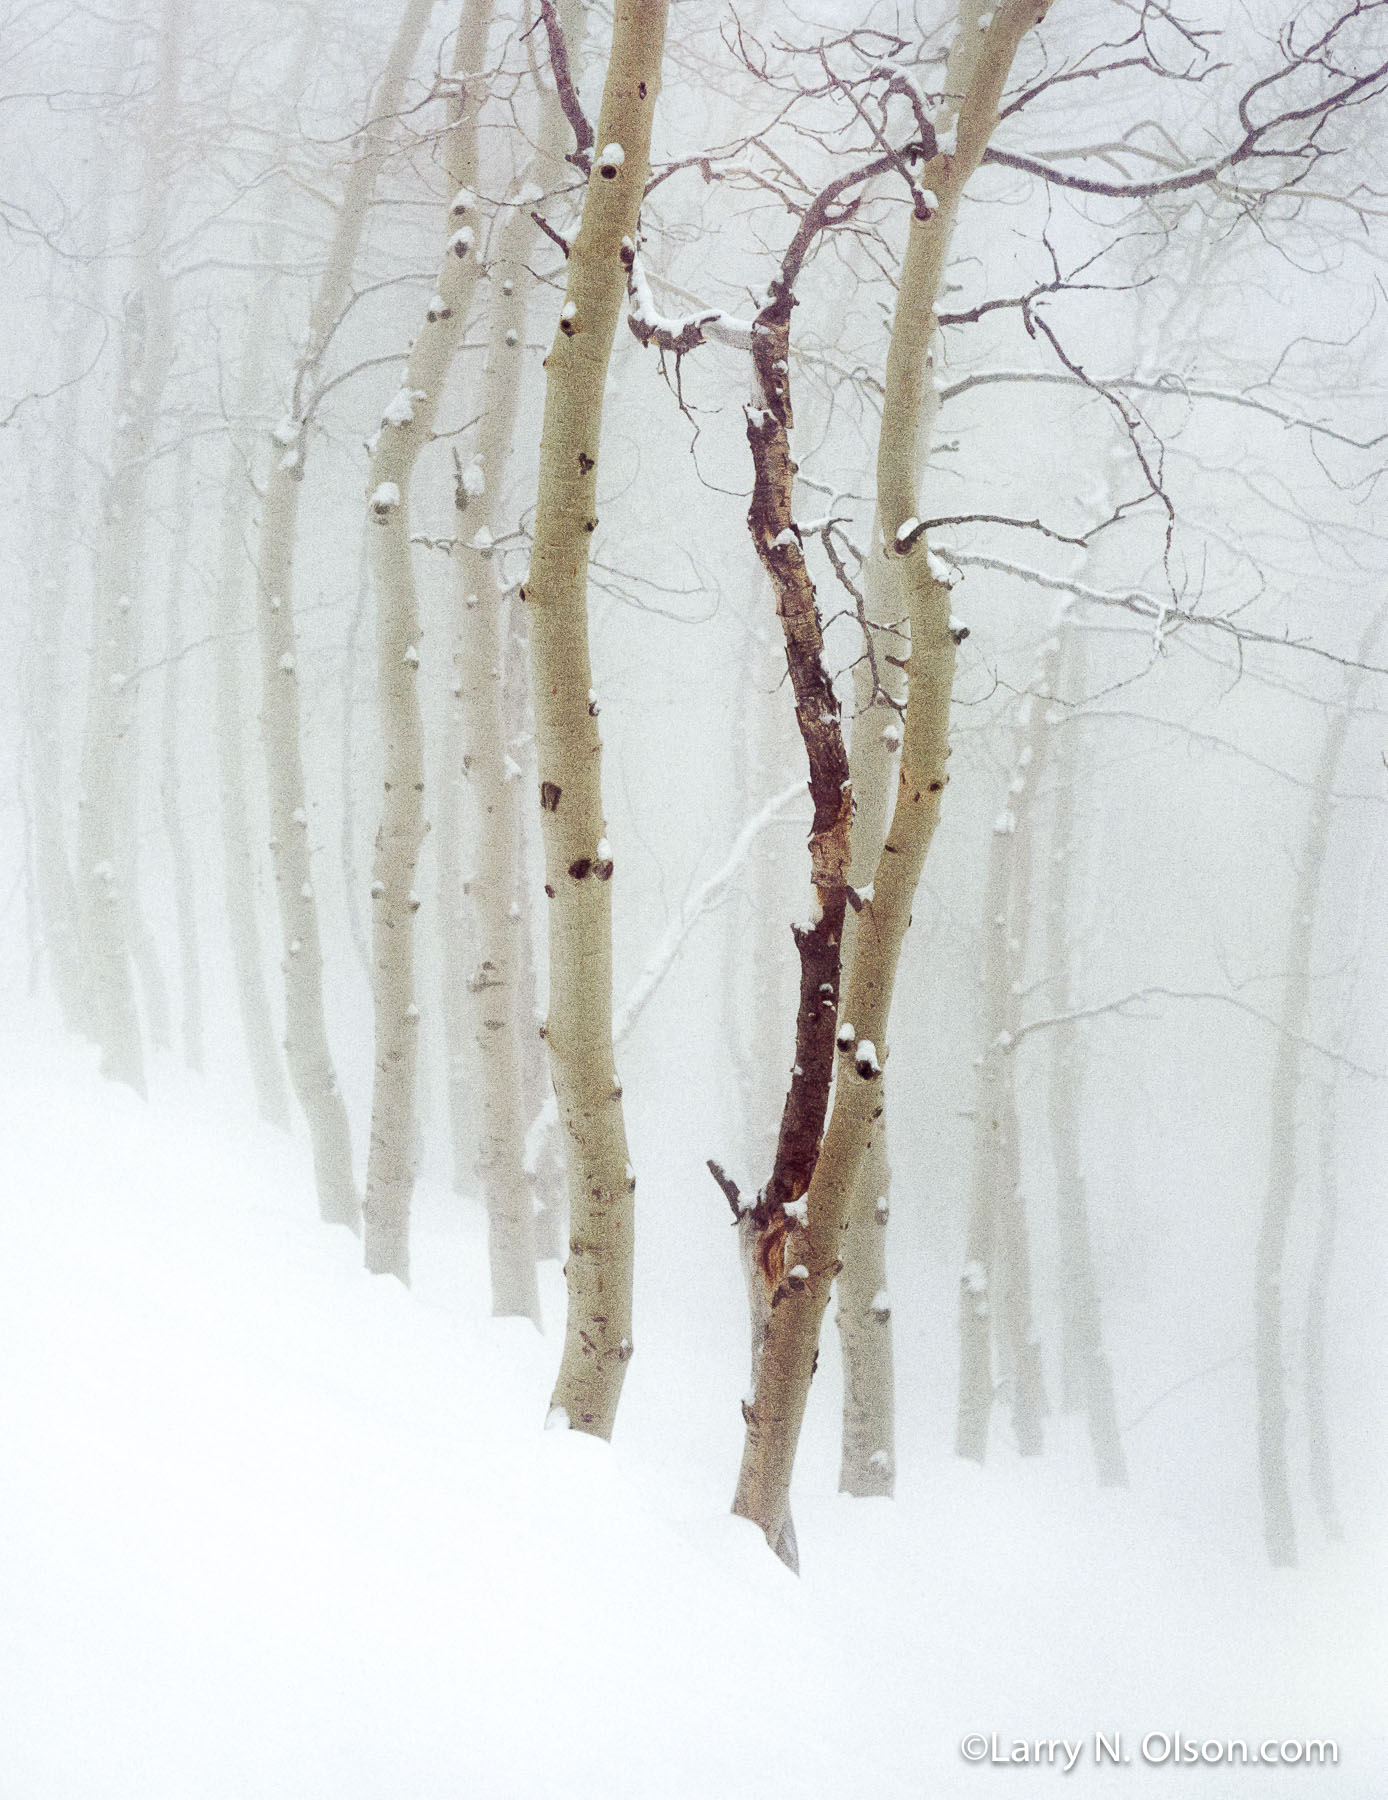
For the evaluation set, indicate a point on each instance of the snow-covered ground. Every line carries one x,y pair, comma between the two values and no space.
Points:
273,1529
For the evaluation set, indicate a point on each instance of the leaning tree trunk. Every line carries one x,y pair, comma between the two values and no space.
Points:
977,72
107,823
405,429
311,1070
578,859
868,1461
1279,1525
1086,1374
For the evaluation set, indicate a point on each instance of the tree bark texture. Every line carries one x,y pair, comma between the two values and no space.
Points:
864,1315
489,687
977,72
405,429
578,859
311,1070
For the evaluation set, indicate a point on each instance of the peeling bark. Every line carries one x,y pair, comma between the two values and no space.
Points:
978,70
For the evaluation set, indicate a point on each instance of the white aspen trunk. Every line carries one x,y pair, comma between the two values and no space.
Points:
1086,1375
240,874
111,926
311,1070
468,1082
868,1462
240,844
500,1006
977,72
578,859
1321,1462
995,1291
544,1164
1279,1524
348,840
490,690
405,429
185,897
54,514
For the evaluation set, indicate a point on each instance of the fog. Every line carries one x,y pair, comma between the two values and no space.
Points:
450,773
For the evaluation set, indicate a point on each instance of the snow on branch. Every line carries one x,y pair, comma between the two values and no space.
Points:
1165,993
671,940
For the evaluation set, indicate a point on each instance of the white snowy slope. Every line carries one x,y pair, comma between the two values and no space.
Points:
273,1529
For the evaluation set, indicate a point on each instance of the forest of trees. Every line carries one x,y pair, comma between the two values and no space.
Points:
687,616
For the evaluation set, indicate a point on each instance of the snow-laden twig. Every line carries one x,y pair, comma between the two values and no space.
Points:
1165,993
671,940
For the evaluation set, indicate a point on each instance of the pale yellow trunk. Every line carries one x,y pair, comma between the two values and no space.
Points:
578,862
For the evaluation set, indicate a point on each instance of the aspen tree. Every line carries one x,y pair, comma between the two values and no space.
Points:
488,690
311,1070
1317,1416
864,1315
1279,1524
170,782
578,857
406,428
240,863
995,1292
55,886
977,71
1086,1374
106,829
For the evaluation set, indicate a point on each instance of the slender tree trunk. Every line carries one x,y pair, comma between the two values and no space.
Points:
1279,1525
1322,1465
111,925
788,1359
1086,1375
185,896
979,64
311,1070
578,859
348,839
868,1463
995,1293
501,984
54,515
239,862
405,429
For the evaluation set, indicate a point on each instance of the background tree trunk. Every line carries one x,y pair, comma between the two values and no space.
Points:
405,429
